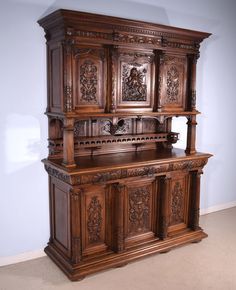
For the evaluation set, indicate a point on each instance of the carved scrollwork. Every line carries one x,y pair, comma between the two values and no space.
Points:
172,84
94,223
177,204
139,209
88,82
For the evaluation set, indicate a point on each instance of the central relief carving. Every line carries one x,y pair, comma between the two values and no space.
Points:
88,82
94,223
172,84
139,209
177,204
134,87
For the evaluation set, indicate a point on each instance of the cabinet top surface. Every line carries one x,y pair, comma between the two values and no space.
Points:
127,159
74,19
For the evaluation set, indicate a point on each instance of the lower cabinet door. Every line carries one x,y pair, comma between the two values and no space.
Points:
140,211
178,201
95,224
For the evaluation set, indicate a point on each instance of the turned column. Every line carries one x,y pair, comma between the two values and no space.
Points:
164,211
195,199
118,243
191,135
193,70
68,143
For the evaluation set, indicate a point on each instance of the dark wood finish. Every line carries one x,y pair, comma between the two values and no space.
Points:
118,189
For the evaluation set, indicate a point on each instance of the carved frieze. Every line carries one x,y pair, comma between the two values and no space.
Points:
139,209
56,173
94,222
102,177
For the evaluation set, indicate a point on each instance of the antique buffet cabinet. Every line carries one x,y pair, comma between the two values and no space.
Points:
119,190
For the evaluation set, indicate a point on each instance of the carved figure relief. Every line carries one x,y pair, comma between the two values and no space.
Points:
94,223
177,204
139,209
134,87
122,127
172,84
88,82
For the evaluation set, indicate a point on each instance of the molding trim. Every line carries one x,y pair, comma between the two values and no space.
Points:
217,207
4,261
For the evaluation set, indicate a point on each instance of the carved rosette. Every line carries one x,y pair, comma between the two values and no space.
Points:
177,204
94,223
139,209
134,87
88,82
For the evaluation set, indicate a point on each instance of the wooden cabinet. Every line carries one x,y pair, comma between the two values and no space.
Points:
118,188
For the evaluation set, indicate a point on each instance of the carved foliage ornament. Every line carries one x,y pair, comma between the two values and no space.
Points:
88,82
94,223
172,84
139,209
134,86
177,198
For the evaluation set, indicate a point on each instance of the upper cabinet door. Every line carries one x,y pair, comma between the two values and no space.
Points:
133,83
89,78
172,82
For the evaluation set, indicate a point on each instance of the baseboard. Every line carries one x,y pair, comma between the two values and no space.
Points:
217,207
4,261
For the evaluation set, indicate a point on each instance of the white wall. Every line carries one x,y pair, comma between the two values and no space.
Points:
24,223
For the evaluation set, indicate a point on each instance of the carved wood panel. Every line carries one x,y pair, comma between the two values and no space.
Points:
178,201
89,77
172,82
140,204
94,224
133,73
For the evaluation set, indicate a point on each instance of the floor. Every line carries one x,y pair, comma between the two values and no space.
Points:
210,264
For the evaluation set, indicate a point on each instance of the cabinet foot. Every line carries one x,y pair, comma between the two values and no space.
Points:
165,251
121,265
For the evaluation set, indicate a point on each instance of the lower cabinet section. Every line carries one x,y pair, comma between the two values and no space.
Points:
98,226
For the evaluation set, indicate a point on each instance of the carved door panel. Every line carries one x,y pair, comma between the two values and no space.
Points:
140,211
94,223
178,201
133,79
172,82
89,78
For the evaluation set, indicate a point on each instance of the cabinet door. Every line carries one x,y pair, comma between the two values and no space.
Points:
140,211
133,72
172,82
89,78
94,220
178,201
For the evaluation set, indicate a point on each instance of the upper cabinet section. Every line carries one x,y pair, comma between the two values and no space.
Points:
102,64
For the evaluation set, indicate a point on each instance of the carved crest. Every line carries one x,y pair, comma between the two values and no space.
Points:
88,82
94,223
172,84
134,86
139,209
